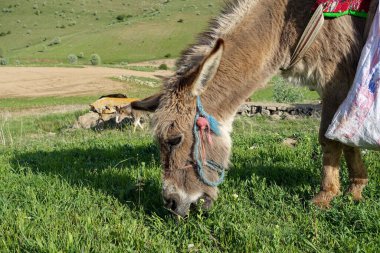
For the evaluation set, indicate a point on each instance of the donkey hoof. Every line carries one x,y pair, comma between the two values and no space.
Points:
356,196
356,189
323,199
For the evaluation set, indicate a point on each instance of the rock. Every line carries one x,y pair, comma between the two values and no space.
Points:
244,109
271,108
289,142
265,112
275,117
289,117
87,121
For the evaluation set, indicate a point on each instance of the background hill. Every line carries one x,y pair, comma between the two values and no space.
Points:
47,31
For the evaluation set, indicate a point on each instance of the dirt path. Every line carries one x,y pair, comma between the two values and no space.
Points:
57,81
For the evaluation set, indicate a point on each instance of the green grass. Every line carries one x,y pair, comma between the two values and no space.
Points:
266,94
151,31
143,68
71,191
21,103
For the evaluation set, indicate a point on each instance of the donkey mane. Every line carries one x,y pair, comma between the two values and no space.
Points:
231,15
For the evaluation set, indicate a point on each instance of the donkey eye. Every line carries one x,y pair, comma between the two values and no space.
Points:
175,140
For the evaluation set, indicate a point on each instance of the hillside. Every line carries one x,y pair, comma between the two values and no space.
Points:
47,31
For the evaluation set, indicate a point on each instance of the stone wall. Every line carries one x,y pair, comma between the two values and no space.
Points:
280,110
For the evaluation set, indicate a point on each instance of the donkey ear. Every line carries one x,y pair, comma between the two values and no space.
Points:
208,68
147,104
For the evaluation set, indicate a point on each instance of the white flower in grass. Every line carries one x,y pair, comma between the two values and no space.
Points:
235,196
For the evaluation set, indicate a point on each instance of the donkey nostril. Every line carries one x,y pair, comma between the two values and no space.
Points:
172,204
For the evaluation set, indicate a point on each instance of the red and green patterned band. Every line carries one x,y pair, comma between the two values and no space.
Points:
338,8
361,14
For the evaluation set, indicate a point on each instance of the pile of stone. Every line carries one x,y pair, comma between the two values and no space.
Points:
279,111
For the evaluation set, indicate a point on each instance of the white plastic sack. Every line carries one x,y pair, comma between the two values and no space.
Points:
357,121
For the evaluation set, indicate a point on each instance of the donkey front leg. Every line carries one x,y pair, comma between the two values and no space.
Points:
332,151
137,123
357,172
330,185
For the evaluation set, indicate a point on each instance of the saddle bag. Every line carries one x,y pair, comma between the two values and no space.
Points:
357,121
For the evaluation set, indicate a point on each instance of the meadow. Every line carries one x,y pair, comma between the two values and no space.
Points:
41,32
65,190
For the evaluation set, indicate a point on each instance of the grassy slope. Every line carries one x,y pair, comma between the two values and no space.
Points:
100,191
152,32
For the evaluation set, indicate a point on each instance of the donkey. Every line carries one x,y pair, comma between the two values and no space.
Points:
250,42
123,112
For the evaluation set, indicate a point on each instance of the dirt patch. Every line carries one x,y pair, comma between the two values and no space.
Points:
156,63
40,111
56,81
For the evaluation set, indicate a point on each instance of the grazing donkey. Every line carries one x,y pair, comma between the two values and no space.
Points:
123,112
251,41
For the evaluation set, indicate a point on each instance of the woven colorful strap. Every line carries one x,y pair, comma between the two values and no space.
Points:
338,8
204,124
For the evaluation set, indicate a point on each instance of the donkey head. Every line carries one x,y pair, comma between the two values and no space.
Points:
175,111
123,112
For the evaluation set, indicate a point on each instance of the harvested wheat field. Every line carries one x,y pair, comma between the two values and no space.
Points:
57,81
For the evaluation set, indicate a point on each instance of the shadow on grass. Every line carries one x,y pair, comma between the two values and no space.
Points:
103,169
284,176
293,179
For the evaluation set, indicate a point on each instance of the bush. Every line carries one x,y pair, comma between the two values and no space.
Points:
285,93
168,55
95,59
3,61
7,10
163,67
81,55
5,33
42,49
72,23
120,17
55,41
72,59
123,17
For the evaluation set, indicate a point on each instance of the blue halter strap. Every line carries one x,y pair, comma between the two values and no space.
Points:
214,127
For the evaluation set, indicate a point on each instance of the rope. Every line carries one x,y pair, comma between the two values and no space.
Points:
308,37
205,122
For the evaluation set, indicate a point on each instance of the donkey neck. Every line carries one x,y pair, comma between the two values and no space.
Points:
255,50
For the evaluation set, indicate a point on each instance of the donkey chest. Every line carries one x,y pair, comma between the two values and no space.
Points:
308,75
